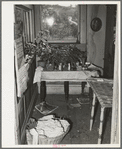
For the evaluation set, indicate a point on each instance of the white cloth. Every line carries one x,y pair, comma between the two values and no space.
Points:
95,68
22,79
37,75
34,133
50,127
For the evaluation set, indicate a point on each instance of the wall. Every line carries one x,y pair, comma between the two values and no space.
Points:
83,23
96,40
25,103
37,20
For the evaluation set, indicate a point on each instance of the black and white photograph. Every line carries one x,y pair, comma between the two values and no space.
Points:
61,74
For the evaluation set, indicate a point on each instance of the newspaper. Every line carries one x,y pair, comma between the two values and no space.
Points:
21,69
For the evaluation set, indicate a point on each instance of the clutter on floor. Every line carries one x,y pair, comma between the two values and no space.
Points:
46,130
45,108
79,119
83,99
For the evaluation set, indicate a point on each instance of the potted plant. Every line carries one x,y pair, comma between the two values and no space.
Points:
43,49
39,48
29,51
50,55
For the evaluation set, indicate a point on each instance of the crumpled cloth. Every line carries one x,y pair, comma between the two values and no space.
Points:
37,75
92,73
49,127
95,68
34,133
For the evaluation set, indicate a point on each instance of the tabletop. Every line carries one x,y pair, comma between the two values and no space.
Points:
75,76
103,91
63,76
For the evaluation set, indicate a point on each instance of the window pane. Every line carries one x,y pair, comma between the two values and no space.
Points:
28,26
18,24
60,21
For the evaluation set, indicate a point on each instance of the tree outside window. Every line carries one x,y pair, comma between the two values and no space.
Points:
61,22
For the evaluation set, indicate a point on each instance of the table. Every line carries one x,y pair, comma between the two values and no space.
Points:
41,77
62,76
104,93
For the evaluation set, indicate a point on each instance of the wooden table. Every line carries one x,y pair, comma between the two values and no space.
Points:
61,76
102,90
104,93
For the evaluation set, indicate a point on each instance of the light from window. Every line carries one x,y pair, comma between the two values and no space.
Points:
61,21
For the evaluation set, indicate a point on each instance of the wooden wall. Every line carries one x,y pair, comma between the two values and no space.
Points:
116,108
109,41
24,105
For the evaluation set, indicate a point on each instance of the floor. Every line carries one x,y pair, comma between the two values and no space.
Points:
79,119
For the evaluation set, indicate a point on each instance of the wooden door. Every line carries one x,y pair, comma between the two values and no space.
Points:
109,41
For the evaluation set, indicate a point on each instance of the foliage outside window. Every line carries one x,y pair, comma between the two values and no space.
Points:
23,24
61,22
18,24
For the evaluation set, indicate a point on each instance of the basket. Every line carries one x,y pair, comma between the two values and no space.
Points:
46,140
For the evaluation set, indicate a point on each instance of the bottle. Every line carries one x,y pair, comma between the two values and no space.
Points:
68,66
60,66
79,67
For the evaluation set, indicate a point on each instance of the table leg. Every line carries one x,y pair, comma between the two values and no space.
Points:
66,90
92,111
83,86
44,107
90,96
38,84
101,125
43,91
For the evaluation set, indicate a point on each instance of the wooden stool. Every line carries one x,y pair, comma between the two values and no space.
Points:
104,93
101,118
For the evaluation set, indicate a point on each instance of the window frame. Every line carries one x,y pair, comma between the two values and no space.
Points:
28,24
69,42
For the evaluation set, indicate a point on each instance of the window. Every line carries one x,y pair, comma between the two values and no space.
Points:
61,22
23,23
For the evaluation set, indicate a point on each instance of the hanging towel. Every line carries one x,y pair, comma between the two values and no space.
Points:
22,79
37,75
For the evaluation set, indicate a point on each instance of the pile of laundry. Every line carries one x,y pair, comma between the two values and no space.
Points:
51,127
46,127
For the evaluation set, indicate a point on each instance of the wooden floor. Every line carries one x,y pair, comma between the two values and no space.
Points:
79,119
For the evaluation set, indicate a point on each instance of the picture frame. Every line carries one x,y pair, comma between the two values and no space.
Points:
96,24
